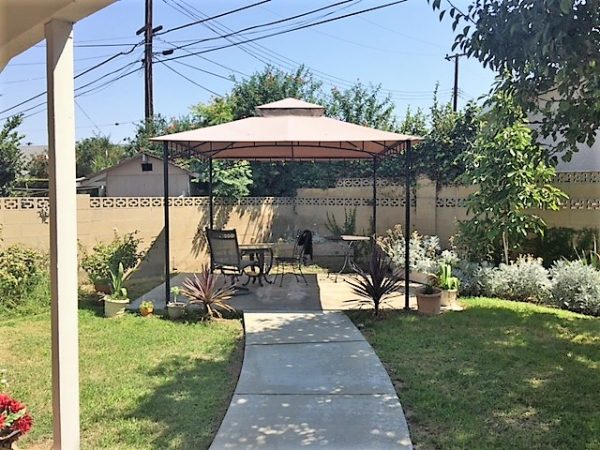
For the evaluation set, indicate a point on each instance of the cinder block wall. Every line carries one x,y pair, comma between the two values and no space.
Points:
267,219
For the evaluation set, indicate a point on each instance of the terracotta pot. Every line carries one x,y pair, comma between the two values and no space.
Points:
146,311
114,308
429,304
176,310
449,297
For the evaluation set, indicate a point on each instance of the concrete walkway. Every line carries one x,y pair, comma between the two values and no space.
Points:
311,380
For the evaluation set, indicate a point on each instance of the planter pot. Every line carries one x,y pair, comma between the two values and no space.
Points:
429,304
102,287
146,311
449,297
176,310
114,308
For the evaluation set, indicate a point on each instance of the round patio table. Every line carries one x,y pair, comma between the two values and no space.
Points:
259,251
349,240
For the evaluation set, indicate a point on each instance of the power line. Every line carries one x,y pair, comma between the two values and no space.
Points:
226,13
86,115
253,27
188,79
204,71
386,5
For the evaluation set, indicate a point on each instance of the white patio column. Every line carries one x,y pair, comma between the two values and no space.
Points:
63,234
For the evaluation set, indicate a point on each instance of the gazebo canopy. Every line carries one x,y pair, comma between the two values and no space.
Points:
288,129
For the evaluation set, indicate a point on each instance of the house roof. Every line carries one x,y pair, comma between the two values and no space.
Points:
289,129
95,177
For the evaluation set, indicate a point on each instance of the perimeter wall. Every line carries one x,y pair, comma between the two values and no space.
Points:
268,219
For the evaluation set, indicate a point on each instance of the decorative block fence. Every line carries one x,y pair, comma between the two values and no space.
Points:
434,211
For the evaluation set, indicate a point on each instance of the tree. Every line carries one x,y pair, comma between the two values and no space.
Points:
37,166
512,175
157,126
440,155
548,54
11,157
96,153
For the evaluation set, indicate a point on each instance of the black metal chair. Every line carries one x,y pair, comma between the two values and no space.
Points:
225,255
296,260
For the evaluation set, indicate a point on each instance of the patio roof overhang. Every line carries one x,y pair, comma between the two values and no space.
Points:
287,130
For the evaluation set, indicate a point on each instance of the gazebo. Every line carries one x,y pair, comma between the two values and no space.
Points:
287,130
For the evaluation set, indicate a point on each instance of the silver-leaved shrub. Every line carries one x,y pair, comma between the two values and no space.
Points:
576,287
524,279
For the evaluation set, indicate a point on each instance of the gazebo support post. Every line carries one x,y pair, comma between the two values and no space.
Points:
407,170
210,193
166,228
374,198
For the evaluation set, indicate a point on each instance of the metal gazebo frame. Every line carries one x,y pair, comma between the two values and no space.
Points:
287,130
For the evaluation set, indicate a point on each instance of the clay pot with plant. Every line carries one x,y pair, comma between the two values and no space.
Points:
146,308
117,300
175,309
429,300
448,284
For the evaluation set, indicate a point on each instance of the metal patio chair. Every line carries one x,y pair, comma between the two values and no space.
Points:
225,256
301,248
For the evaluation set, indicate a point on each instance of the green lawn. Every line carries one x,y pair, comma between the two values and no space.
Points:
498,375
146,383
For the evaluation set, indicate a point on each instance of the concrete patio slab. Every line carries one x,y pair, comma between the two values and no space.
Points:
326,421
321,293
322,368
275,328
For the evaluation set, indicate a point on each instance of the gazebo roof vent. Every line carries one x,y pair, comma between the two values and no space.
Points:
290,107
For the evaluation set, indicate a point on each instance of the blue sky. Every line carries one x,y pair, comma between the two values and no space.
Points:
401,47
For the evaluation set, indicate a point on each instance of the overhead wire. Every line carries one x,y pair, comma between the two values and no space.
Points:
188,79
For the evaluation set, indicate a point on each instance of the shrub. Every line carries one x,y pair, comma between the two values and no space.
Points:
472,276
23,279
576,287
106,257
423,250
562,243
524,279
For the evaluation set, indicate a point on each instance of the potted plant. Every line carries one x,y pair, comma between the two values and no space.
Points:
117,300
15,421
448,284
377,282
429,300
146,308
97,263
175,309
206,296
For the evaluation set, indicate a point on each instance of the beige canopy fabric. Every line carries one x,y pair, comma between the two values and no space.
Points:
288,129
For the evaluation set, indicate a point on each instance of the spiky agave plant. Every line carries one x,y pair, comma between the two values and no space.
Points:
202,290
377,282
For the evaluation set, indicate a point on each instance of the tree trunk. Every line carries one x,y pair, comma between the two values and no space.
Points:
505,246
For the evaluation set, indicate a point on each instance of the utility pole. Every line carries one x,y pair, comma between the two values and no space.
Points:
455,89
148,39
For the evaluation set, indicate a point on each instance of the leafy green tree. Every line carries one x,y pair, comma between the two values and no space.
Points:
271,85
96,153
363,105
548,53
230,178
513,178
37,166
440,156
11,157
157,126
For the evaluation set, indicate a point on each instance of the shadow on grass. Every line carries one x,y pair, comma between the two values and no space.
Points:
187,409
495,373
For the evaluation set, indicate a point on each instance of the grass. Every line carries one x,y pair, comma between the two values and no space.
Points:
498,375
145,383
